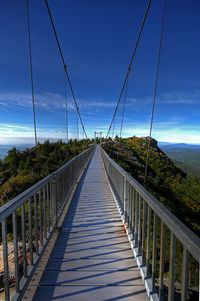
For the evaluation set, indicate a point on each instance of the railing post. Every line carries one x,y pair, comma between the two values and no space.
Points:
40,219
148,242
5,260
16,256
24,240
30,232
36,223
154,255
54,199
144,222
125,200
162,260
171,267
139,224
185,274
136,219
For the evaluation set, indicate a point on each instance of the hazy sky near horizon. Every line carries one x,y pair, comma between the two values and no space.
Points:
97,38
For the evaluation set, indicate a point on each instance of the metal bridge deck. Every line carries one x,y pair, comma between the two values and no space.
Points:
92,258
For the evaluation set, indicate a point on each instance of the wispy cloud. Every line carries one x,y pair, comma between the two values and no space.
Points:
173,129
163,131
46,100
180,97
169,97
26,132
50,101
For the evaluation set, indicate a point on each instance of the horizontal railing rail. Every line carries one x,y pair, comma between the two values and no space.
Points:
149,222
28,221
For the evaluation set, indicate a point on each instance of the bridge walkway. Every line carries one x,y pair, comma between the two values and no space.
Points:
92,258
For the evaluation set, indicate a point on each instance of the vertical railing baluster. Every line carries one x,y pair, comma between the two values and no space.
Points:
162,260
44,213
144,213
67,183
171,267
51,202
30,233
136,219
139,224
61,186
36,223
24,240
40,215
185,275
124,200
63,189
54,200
133,213
128,203
154,253
148,241
5,259
15,243
48,208
131,208
58,194
64,186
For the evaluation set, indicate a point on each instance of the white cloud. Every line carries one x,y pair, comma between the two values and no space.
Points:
50,101
169,97
180,97
172,130
46,100
13,133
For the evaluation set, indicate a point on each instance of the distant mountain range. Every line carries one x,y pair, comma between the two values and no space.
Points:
178,145
185,156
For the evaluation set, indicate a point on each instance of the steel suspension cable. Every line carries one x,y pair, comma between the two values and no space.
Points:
77,128
130,64
31,70
66,109
113,131
64,64
123,110
155,89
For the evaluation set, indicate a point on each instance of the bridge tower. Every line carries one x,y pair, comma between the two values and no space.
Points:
96,135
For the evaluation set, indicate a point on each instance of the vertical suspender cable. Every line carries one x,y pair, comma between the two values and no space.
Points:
66,109
113,131
123,111
64,64
31,70
130,64
155,89
77,128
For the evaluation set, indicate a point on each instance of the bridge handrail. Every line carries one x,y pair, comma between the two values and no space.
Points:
38,208
182,232
137,206
13,204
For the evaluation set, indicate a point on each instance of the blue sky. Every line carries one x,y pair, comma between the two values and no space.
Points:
97,38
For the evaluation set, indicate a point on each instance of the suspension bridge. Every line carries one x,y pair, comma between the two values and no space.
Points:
94,232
